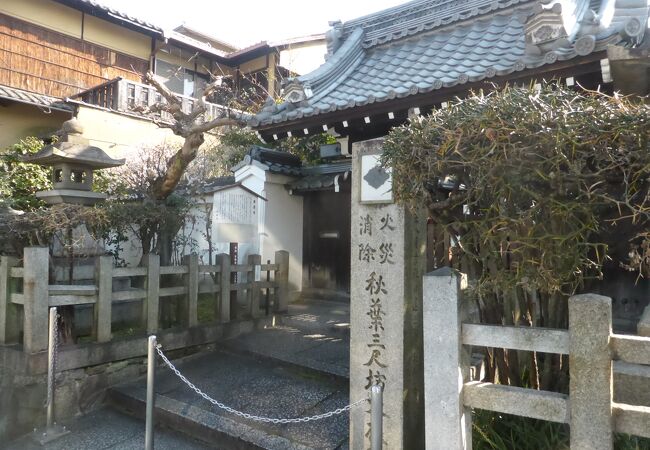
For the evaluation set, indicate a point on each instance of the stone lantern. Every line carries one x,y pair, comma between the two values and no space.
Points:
73,161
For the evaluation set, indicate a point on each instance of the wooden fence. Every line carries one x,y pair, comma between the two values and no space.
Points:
29,307
589,408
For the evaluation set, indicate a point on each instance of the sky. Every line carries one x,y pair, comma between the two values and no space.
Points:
247,22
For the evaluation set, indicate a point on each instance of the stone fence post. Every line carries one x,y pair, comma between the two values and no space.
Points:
103,308
36,298
446,363
254,290
8,314
590,365
152,300
282,280
191,281
223,261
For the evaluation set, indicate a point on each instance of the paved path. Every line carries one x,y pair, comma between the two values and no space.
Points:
315,334
108,429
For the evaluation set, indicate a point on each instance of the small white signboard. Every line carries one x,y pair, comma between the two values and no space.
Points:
376,181
236,207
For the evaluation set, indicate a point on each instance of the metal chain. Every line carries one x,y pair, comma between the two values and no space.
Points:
55,345
251,416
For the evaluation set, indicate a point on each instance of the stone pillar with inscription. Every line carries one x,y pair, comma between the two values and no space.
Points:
388,262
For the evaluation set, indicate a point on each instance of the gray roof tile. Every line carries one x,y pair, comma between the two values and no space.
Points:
426,45
31,98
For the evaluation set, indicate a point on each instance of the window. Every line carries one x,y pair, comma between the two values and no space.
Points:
179,79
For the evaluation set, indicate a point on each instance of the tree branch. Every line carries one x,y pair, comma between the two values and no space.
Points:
163,90
215,123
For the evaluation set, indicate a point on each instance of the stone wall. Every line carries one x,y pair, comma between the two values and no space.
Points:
86,372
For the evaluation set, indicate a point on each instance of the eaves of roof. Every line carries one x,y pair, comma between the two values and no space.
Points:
236,185
250,52
264,47
31,98
194,44
207,36
114,16
313,183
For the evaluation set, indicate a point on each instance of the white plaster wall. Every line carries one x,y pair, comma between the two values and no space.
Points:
280,223
283,228
252,177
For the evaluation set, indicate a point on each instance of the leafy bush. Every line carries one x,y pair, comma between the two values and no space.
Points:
19,181
538,192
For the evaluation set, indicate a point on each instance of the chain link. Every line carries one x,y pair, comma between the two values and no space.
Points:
55,345
251,416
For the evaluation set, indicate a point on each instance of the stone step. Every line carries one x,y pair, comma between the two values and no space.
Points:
256,386
206,426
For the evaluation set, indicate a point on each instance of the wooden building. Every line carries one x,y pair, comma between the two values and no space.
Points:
418,56
60,56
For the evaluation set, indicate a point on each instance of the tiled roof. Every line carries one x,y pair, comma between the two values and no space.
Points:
426,45
321,176
40,100
215,184
275,161
313,183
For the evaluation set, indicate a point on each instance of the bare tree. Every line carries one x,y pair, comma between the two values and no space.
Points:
191,126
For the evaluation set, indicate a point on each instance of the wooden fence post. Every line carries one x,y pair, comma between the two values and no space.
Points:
282,280
254,289
36,298
223,260
234,279
590,365
103,308
151,305
8,314
192,282
448,423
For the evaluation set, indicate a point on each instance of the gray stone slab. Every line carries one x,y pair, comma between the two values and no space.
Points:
315,334
107,429
257,386
327,433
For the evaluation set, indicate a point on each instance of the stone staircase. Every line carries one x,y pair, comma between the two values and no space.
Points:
295,367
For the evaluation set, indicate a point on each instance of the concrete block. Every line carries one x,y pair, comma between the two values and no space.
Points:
36,298
631,384
590,365
446,364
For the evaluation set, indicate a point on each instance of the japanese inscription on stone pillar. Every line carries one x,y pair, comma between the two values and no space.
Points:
377,297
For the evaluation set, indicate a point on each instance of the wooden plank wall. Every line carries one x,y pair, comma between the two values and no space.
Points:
47,62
